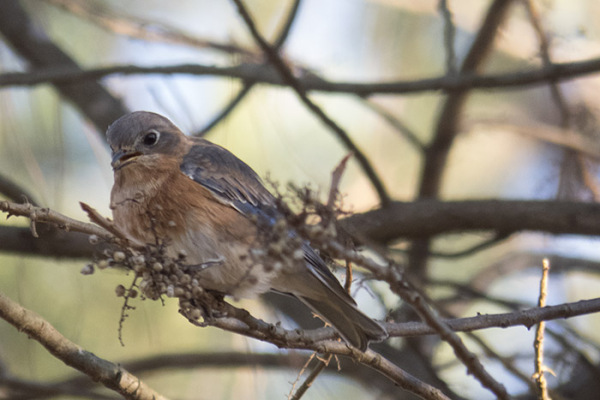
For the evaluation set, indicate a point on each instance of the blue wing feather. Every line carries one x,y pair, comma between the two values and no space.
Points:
233,182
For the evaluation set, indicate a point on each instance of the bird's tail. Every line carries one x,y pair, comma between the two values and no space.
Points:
354,326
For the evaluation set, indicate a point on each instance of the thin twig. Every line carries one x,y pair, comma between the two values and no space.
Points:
310,379
557,95
259,73
105,223
507,362
39,214
336,177
226,111
404,130
449,35
583,175
288,77
247,86
139,28
304,367
484,245
436,153
538,343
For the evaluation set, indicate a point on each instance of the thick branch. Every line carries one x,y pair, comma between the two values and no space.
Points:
417,219
14,192
425,218
50,243
110,375
436,153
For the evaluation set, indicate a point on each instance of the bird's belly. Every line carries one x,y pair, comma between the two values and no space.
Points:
224,266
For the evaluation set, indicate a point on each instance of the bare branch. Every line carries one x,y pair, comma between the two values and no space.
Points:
483,245
39,214
538,343
400,220
54,243
240,321
287,26
291,81
227,110
15,192
404,130
469,360
426,218
526,318
110,375
557,95
140,28
322,363
449,35
247,86
259,73
446,129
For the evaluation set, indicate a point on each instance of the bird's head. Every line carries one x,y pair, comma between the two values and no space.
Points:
142,137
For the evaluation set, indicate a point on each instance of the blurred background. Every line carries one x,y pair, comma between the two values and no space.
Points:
512,143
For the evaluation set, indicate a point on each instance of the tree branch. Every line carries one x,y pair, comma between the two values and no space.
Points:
424,218
446,128
140,28
39,214
288,77
14,192
110,375
247,86
261,73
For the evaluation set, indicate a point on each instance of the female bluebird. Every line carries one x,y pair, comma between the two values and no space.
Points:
204,202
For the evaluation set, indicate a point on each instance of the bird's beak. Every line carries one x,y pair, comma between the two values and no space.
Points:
121,158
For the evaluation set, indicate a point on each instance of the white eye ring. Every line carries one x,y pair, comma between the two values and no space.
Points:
151,138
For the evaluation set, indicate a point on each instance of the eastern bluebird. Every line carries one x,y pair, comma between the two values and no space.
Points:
209,205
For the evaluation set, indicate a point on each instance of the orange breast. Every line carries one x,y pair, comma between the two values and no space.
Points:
163,203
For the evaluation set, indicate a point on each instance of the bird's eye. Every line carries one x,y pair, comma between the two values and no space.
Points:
151,138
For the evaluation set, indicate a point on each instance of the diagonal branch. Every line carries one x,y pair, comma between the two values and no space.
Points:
446,130
470,361
247,86
227,110
110,375
14,192
288,77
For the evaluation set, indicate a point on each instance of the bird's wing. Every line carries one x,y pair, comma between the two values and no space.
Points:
234,183
228,178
